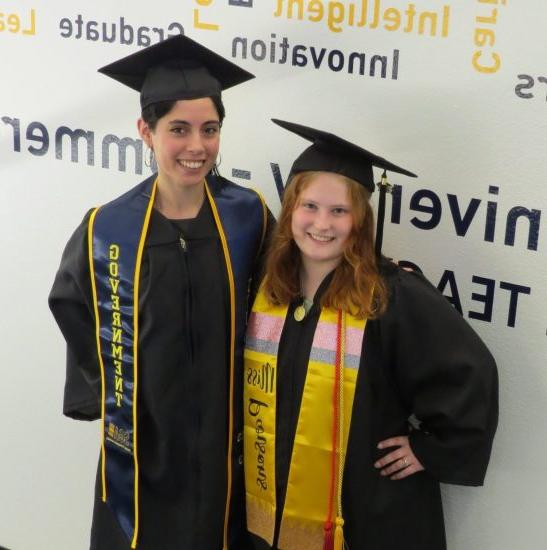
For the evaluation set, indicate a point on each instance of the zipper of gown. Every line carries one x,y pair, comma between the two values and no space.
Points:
188,295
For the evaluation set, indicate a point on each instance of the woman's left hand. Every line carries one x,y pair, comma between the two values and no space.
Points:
401,462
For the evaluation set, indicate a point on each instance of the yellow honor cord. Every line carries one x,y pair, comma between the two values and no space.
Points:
98,343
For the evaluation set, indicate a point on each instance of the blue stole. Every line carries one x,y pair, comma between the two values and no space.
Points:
116,236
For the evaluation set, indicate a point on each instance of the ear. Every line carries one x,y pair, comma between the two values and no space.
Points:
145,132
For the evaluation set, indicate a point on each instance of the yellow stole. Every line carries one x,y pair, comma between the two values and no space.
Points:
313,499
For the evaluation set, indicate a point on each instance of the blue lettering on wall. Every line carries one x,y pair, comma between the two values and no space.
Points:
72,140
428,202
486,296
241,3
434,209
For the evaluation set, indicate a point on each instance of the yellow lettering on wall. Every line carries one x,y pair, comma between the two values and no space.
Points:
198,24
31,30
119,384
116,319
339,15
410,13
484,37
115,302
491,68
483,60
14,23
425,16
300,6
336,16
446,21
392,17
489,20
315,7
119,397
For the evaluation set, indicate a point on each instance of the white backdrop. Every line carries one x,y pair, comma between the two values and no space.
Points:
473,221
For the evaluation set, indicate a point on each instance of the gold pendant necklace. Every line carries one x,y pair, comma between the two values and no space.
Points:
299,312
303,309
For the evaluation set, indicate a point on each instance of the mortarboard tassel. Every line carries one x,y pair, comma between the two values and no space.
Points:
384,188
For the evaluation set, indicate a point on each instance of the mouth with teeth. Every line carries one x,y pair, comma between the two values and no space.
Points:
192,164
320,238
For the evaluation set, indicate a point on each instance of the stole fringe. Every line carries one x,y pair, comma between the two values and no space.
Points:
339,534
328,541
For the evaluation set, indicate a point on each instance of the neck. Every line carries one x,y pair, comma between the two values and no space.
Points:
179,202
312,275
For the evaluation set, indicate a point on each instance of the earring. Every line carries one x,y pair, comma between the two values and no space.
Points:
214,169
149,159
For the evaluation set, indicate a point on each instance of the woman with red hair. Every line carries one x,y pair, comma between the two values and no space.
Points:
363,387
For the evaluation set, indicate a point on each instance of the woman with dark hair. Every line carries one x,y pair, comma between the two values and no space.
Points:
363,387
151,297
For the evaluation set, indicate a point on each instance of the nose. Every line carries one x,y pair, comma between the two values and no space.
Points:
322,220
195,143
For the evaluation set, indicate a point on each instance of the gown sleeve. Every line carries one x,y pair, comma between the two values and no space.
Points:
447,379
71,304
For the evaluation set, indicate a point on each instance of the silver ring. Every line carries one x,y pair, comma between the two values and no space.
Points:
405,462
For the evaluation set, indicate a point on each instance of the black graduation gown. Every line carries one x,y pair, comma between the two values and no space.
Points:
420,358
183,385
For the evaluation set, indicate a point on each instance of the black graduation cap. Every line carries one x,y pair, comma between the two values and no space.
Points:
330,153
177,68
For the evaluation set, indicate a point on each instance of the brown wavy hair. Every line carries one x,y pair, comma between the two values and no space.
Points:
356,277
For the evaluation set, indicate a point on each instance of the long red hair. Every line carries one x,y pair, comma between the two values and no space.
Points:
357,286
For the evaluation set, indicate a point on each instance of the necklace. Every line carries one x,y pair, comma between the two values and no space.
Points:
303,309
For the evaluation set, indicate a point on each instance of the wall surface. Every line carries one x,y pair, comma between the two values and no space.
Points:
456,92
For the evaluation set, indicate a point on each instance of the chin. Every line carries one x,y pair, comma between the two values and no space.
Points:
188,181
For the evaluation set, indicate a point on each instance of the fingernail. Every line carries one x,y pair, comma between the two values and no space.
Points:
380,446
377,464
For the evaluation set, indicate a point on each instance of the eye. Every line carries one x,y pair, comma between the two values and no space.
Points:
211,131
340,211
178,130
306,205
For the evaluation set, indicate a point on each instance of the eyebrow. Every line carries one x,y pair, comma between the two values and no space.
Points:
341,205
186,123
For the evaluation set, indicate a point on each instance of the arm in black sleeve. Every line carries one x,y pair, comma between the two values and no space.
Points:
71,304
447,378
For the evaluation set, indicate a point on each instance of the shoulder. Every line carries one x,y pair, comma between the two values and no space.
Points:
412,294
219,186
142,189
238,200
418,315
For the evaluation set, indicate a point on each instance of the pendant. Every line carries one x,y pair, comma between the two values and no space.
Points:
299,312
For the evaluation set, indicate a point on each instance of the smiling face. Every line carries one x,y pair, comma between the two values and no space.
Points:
185,141
322,220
